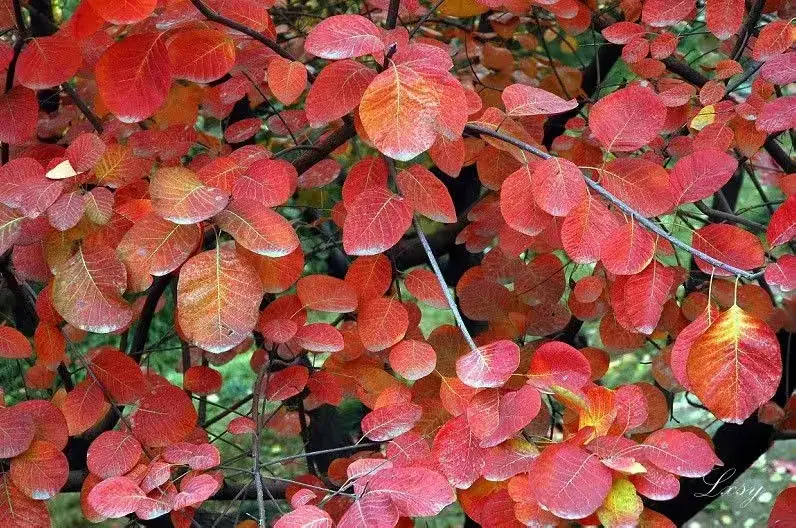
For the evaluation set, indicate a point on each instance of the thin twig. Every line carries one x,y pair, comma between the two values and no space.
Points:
451,302
258,480
212,15
599,189
729,217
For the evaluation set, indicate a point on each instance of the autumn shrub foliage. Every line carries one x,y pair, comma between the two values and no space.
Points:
298,184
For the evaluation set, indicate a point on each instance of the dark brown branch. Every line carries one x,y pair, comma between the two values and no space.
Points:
729,217
81,104
141,335
332,141
392,14
751,21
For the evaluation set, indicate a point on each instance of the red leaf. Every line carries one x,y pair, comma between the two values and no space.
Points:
734,367
558,186
116,497
616,122
48,61
386,423
84,406
724,17
782,273
413,359
11,223
423,284
326,294
628,249
112,454
87,290
133,76
202,380
119,374
784,513
258,229
195,456
286,383
195,490
373,510
19,114
50,345
680,452
728,244
67,210
524,100
369,172
569,481
490,365
85,151
382,322
782,226
16,431
370,276
218,296
14,344
518,206
19,510
319,337
268,182
656,484
415,492
375,222
622,32
287,79
494,417
426,194
557,364
48,421
640,183
123,12
458,453
344,37
337,90
701,174
180,196
662,13
163,417
305,517
774,38
644,296
215,60
777,115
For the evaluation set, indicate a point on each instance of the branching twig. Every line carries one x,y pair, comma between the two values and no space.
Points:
599,189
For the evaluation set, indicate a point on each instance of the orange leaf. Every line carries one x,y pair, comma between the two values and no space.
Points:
87,290
218,296
201,55
735,366
287,79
